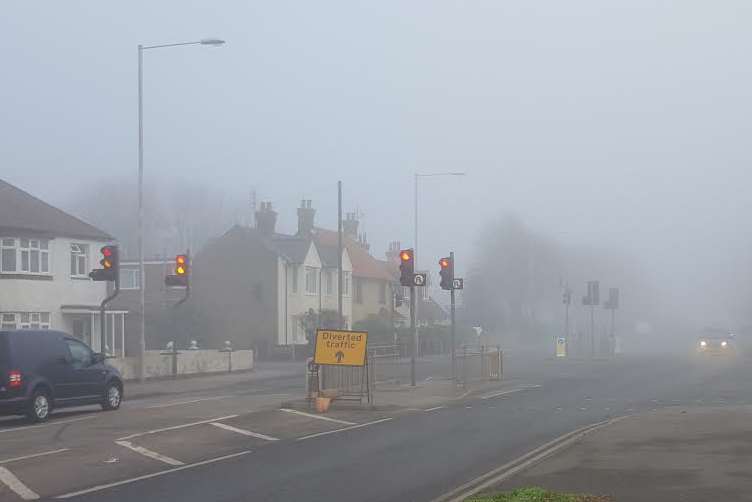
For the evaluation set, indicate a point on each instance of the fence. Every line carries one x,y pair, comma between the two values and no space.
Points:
480,363
354,382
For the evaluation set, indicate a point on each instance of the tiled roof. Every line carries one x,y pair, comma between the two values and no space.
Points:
364,265
20,211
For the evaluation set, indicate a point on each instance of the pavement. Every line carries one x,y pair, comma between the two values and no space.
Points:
692,454
232,440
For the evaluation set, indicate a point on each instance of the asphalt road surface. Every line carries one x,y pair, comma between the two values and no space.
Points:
236,444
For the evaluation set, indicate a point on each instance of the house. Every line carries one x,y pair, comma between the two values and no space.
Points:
374,281
160,302
255,287
45,259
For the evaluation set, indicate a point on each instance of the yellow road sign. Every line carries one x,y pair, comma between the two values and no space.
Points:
341,348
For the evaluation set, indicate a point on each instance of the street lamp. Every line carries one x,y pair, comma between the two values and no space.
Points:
142,275
415,236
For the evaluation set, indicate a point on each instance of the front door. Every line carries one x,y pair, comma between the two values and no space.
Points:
82,328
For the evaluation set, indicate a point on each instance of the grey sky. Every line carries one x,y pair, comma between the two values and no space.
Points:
622,123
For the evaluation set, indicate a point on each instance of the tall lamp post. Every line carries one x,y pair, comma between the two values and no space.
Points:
141,274
415,236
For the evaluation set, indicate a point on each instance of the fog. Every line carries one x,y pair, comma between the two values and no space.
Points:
618,127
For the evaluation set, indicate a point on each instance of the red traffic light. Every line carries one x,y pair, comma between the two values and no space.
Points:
444,263
107,251
406,255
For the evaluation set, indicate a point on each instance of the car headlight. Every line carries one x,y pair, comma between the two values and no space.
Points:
703,343
724,343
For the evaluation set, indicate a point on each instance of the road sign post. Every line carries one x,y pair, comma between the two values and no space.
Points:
414,343
453,329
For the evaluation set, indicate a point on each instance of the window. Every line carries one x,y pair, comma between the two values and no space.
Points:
129,278
79,260
382,293
294,279
30,256
311,281
345,283
25,320
329,282
80,354
358,290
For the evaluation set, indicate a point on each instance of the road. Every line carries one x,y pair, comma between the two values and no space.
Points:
237,444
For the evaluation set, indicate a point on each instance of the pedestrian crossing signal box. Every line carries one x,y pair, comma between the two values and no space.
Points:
340,347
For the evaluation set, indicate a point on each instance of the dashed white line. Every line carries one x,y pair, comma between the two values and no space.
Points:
149,453
311,436
51,423
176,427
34,455
149,476
180,403
15,484
319,417
244,431
434,408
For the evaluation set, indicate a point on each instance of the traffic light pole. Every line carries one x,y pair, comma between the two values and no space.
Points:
592,331
103,319
451,293
413,330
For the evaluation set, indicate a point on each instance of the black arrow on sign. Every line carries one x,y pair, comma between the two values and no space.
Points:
339,355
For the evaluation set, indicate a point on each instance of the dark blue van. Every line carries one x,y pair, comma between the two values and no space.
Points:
45,369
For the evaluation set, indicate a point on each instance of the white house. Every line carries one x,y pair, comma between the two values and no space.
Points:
45,258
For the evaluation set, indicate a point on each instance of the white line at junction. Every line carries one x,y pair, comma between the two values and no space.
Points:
318,417
434,408
244,432
176,427
510,391
180,403
15,484
311,436
99,488
149,453
34,455
51,423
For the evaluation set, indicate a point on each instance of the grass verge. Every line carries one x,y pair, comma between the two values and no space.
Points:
538,495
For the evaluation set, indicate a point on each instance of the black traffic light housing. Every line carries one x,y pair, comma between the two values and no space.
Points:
446,271
407,267
110,265
182,272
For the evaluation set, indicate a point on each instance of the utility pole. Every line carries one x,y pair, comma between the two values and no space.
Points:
413,330
451,295
340,320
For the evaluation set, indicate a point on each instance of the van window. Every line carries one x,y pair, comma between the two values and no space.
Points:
4,349
81,354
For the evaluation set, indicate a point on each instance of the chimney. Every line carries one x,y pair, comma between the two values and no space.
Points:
393,253
305,218
350,226
266,219
363,241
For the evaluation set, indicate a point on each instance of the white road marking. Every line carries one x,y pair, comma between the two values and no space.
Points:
318,417
51,423
149,476
244,432
149,453
176,427
510,391
344,429
180,403
434,408
15,484
34,455
496,476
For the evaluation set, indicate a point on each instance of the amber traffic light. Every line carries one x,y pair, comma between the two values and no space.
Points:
407,267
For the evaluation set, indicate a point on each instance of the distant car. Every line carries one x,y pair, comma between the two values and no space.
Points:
44,369
717,343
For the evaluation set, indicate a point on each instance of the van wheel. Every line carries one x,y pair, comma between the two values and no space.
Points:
113,395
39,406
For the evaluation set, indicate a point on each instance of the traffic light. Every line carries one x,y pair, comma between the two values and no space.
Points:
182,272
110,265
566,296
447,272
407,267
613,299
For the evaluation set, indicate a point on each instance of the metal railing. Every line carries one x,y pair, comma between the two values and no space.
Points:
479,363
